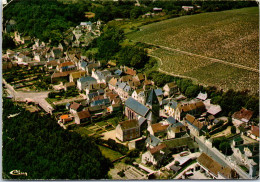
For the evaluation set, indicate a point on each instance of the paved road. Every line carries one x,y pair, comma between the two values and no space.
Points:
37,97
216,155
208,58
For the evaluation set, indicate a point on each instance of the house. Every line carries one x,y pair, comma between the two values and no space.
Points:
192,107
114,107
105,102
82,116
139,77
118,72
126,78
202,96
134,84
170,121
152,141
112,83
246,155
66,66
170,88
128,130
242,116
75,107
97,110
135,94
76,75
194,124
215,169
90,96
129,71
170,108
84,82
254,133
23,58
187,8
69,85
101,76
123,90
52,65
95,88
62,76
92,65
65,118
158,129
176,130
159,92
83,65
184,143
155,155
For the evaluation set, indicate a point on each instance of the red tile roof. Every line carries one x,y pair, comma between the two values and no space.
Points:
158,127
66,64
84,114
75,105
255,130
243,114
158,148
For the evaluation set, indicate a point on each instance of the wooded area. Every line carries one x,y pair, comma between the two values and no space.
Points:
39,146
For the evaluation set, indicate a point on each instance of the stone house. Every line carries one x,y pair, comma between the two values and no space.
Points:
84,82
170,88
128,130
82,116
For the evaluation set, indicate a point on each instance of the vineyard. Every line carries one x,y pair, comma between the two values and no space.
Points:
207,72
230,35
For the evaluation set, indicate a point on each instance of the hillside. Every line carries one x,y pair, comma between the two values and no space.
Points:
230,36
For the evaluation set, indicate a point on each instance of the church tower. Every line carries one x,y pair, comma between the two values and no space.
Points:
154,105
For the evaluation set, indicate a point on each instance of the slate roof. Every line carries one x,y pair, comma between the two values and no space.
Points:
91,95
173,104
122,85
125,125
100,102
83,64
152,98
136,106
141,120
118,72
171,120
177,125
158,92
86,79
152,140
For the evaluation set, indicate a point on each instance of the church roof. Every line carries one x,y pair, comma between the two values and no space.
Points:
136,106
152,98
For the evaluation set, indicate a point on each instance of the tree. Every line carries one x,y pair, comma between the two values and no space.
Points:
233,129
8,42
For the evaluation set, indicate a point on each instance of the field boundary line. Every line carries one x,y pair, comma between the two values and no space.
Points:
205,57
175,75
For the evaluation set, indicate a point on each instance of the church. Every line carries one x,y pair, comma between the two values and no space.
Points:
148,112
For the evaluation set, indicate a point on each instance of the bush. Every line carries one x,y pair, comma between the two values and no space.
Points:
121,173
233,130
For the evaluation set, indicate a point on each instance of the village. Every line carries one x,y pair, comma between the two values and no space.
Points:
176,137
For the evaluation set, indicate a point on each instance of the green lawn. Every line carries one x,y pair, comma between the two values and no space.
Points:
83,131
108,153
101,123
113,121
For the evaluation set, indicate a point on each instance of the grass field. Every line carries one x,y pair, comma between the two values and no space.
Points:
231,36
108,153
207,72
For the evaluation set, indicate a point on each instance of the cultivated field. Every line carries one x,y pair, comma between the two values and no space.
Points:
209,73
230,36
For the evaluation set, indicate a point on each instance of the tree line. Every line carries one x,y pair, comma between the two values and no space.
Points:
37,145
